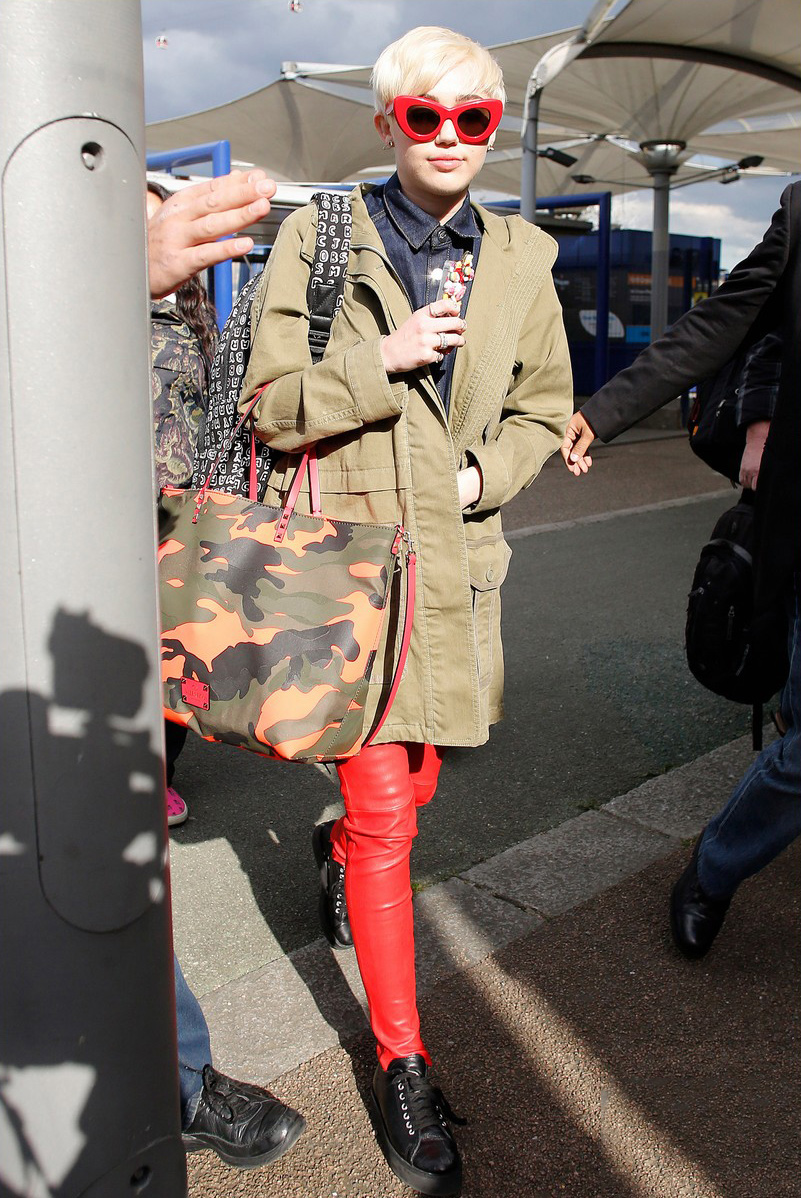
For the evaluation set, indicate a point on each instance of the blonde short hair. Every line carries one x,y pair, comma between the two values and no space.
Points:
414,64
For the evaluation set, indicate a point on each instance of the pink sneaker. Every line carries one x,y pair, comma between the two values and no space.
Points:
177,810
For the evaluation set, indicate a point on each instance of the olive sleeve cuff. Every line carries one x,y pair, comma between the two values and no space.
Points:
375,397
495,480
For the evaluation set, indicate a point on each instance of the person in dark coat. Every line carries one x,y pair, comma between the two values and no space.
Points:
761,296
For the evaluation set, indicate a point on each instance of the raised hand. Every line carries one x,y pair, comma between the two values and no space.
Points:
182,236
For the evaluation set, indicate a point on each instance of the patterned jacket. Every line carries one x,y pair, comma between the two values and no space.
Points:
179,394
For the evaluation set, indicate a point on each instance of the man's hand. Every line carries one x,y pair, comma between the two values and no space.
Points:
755,438
182,237
578,439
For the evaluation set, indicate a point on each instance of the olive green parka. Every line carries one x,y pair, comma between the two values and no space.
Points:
388,452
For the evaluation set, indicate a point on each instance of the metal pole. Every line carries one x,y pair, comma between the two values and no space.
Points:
602,290
87,1036
528,169
660,252
223,271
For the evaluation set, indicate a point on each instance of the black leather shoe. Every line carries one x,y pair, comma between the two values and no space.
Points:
695,918
245,1125
411,1122
333,908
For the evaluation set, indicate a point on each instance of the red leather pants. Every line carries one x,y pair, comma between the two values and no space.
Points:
382,787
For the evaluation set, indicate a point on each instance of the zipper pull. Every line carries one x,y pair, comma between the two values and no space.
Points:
201,495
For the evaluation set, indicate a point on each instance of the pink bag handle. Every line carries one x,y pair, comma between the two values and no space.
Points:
408,619
253,478
253,473
307,462
229,442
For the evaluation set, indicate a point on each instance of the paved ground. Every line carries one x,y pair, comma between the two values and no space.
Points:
589,1058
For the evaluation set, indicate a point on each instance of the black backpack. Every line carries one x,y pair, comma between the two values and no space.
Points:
729,651
324,296
712,426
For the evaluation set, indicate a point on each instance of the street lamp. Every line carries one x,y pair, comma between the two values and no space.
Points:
724,174
557,156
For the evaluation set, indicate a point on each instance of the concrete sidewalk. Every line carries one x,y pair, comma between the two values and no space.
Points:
590,1059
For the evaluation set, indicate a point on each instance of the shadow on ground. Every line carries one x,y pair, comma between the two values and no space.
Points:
592,1062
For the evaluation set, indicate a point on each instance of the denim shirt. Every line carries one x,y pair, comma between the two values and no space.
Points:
417,245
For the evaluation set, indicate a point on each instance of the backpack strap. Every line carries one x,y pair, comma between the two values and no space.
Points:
223,458
242,468
326,287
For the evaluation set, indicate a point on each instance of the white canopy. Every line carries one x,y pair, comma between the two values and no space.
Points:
316,123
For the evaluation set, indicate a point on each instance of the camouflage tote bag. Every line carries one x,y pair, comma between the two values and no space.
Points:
271,620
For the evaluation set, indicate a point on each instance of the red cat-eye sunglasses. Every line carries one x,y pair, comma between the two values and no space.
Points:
422,119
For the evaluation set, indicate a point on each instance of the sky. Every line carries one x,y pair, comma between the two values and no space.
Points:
218,50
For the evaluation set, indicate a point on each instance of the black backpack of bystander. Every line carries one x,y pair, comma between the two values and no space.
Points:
715,435
729,651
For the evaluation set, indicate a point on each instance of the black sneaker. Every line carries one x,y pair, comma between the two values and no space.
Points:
332,907
411,1122
245,1125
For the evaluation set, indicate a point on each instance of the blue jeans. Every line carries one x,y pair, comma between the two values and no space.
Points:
194,1048
763,815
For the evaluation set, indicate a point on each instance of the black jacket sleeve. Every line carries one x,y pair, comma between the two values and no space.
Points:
699,343
759,385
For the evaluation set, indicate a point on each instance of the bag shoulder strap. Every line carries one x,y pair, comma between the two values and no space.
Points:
326,287
222,456
226,458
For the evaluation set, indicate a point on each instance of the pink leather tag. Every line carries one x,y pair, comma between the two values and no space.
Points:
195,693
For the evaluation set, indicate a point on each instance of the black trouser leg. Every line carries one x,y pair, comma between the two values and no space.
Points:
175,738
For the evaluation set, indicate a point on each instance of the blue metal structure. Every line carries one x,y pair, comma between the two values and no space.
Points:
218,153
693,272
603,201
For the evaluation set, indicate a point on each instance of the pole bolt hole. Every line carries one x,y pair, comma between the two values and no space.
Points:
92,155
140,1178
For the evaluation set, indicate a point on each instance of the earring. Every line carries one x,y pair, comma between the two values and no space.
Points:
390,144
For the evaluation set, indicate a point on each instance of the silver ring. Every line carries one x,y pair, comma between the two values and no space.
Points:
439,358
444,343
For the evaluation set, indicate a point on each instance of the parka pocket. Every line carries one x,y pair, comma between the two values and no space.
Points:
372,457
488,563
362,460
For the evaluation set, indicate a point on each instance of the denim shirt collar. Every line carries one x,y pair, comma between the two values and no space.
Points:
415,225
